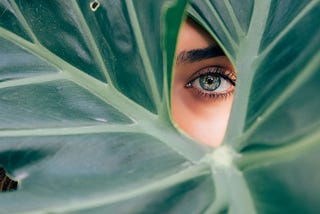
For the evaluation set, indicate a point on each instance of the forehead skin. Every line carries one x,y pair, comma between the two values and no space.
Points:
195,35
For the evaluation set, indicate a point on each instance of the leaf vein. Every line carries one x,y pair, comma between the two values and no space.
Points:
144,54
288,27
24,22
92,44
222,25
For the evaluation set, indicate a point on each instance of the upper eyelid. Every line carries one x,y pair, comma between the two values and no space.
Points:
205,70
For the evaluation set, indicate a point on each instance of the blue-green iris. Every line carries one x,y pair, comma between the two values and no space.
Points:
209,82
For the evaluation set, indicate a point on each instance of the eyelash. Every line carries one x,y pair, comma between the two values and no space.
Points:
217,71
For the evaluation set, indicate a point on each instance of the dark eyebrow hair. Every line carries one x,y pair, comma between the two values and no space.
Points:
199,54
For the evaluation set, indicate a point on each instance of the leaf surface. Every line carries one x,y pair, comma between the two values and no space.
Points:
85,123
84,120
274,124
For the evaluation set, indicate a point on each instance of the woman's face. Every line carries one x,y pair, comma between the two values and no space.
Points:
203,86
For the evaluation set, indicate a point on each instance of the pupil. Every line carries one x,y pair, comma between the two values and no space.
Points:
210,82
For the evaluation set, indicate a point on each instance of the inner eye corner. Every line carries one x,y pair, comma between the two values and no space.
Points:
6,183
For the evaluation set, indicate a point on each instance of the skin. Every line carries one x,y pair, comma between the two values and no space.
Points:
201,113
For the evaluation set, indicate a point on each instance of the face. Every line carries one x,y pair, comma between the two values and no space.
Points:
203,86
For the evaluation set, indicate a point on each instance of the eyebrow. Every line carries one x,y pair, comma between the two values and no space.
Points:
199,54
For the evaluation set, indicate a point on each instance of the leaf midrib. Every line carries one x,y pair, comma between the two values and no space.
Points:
73,74
246,57
98,200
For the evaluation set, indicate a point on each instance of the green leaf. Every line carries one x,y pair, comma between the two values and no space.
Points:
85,117
275,123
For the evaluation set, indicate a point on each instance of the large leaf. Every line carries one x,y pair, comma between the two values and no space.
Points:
85,124
275,123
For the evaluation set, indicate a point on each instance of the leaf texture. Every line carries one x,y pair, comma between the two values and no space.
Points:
274,124
85,108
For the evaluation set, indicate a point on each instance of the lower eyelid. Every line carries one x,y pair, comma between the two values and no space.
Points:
214,96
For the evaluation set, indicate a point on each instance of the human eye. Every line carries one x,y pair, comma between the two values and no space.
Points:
212,82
